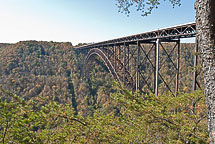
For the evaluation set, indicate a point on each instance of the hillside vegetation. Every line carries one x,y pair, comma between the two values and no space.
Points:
47,69
45,97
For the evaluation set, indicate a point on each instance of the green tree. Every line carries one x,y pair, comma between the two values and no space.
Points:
136,119
205,25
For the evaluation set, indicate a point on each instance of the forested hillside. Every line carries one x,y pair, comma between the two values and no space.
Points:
33,69
46,97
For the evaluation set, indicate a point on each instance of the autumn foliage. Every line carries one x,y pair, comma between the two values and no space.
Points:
136,119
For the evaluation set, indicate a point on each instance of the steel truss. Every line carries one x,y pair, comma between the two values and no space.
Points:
148,61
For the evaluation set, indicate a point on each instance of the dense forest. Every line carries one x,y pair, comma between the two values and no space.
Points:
47,69
46,98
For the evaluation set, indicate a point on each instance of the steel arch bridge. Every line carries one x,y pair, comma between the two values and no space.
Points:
136,60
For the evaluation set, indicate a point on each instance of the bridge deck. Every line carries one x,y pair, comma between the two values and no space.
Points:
170,33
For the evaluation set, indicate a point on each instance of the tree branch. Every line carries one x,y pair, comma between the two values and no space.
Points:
5,132
73,119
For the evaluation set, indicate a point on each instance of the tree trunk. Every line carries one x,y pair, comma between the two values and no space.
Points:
205,25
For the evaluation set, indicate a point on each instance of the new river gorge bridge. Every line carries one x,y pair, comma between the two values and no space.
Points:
148,61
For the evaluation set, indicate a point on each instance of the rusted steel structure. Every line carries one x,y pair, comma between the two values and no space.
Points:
135,60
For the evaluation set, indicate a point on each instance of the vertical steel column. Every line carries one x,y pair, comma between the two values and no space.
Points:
124,63
106,50
157,66
117,55
178,68
195,64
128,57
137,67
114,56
154,68
119,52
103,49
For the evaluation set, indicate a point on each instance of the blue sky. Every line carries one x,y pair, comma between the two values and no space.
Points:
80,21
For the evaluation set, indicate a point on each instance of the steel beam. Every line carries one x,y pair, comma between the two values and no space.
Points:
137,67
177,68
128,58
172,33
154,68
157,66
124,65
114,57
195,64
143,62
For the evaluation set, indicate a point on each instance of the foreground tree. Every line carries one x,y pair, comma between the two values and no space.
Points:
162,119
205,25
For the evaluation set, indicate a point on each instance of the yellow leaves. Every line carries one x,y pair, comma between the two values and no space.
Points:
38,86
31,91
54,87
185,89
12,80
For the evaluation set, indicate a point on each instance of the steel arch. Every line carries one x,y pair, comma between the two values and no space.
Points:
102,55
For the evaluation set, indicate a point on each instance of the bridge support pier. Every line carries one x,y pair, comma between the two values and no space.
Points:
195,73
114,56
125,62
154,67
157,66
177,68
138,67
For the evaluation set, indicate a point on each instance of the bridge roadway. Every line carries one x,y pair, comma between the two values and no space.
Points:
170,33
129,58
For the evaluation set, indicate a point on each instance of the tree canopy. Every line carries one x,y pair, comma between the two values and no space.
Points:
145,7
